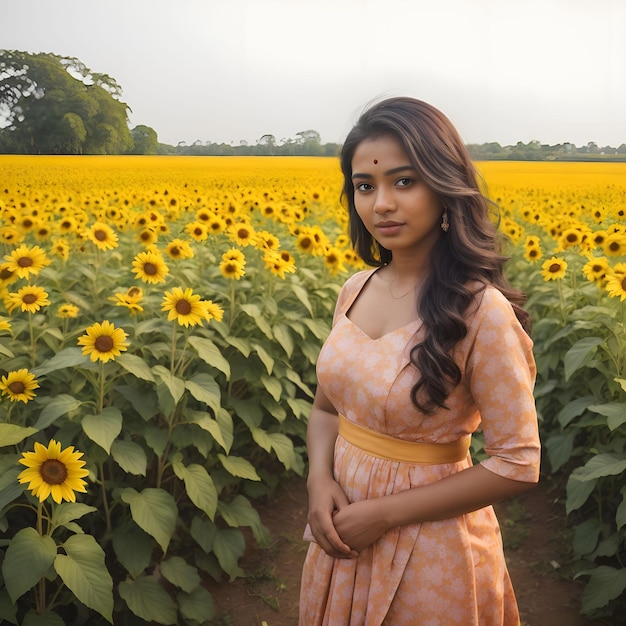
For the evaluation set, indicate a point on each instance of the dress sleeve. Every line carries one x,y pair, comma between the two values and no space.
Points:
501,373
349,291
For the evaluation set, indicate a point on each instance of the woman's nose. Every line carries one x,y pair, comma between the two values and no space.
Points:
384,201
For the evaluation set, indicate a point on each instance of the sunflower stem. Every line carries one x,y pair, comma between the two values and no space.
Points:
231,319
40,596
173,353
33,360
562,300
101,390
105,501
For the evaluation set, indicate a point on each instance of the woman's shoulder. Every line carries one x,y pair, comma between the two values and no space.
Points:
489,301
351,288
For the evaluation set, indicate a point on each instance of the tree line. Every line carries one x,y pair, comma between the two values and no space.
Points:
51,104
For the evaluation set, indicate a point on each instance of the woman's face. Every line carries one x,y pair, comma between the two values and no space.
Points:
395,205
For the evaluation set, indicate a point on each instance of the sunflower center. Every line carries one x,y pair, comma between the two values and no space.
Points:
150,269
5,274
25,261
104,343
17,387
53,472
613,246
175,251
624,283
100,235
572,238
183,307
554,268
29,298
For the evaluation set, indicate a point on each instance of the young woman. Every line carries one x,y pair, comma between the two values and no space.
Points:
426,348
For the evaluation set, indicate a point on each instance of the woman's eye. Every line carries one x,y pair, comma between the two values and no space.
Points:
363,187
404,182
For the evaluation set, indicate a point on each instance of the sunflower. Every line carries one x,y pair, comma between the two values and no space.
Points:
616,282
10,235
553,269
232,254
29,298
197,230
179,249
216,225
61,248
267,240
130,302
305,243
596,270
243,234
103,341
7,276
212,310
19,385
279,263
184,306
570,237
67,311
5,324
232,269
150,267
532,253
147,236
333,260
614,244
102,235
25,261
52,471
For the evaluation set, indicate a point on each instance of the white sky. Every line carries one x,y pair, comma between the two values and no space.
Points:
231,70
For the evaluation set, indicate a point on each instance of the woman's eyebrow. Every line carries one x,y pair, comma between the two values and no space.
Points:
395,170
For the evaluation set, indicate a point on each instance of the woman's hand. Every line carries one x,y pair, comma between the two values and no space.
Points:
326,499
360,524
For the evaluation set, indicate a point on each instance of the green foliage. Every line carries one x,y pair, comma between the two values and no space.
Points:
580,348
181,432
56,105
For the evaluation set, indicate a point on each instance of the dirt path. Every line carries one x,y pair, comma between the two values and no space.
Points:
537,554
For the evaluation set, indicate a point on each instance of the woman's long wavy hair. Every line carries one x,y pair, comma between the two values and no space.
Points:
467,253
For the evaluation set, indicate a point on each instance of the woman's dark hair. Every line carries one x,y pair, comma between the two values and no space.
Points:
467,253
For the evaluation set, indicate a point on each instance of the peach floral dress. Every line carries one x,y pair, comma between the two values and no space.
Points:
443,573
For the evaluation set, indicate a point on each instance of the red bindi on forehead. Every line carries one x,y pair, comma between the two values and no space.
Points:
375,161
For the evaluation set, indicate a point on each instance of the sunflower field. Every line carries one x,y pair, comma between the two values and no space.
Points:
160,319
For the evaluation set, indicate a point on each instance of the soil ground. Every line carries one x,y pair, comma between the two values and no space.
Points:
536,544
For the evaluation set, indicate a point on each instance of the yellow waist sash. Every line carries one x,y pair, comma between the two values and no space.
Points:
394,449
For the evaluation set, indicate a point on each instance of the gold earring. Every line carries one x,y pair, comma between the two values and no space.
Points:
444,221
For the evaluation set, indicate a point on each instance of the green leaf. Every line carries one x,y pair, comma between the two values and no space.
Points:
273,386
175,385
197,605
156,438
294,377
130,456
148,600
236,466
606,584
240,343
266,359
257,315
46,619
54,408
133,548
27,559
622,382
69,357
580,354
153,510
84,573
204,389
578,491
280,443
8,609
180,574
210,354
614,411
586,536
67,512
144,401
620,514
559,449
284,338
11,434
573,409
603,465
220,429
240,512
303,296
136,366
199,486
229,546
10,489
103,428
203,532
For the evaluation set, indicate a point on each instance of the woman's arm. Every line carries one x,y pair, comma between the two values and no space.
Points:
362,523
326,497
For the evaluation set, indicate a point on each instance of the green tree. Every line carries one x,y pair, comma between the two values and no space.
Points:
145,140
56,105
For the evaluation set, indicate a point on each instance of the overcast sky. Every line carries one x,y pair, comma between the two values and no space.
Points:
231,70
